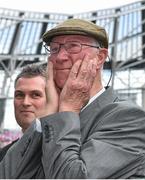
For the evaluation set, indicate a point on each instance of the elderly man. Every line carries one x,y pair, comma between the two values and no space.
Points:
86,132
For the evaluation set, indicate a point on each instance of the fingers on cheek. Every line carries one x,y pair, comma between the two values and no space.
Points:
75,69
90,74
91,68
94,69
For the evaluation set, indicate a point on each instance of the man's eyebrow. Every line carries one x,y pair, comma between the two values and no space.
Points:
18,90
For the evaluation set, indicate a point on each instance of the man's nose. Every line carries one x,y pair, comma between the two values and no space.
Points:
62,55
27,100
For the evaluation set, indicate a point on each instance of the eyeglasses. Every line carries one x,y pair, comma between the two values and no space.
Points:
71,47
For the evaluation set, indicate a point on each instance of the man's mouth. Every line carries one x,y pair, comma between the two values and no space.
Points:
27,111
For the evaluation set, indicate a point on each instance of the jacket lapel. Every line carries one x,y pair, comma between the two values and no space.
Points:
88,115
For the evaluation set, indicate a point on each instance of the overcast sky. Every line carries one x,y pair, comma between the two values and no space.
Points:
62,6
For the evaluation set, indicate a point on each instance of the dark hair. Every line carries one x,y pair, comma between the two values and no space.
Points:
32,70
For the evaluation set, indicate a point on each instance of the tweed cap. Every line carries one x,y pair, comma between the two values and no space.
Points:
78,27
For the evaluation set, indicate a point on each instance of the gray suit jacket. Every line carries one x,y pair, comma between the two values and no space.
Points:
23,158
107,140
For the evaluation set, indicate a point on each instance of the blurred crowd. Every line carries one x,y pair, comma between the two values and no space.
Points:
7,136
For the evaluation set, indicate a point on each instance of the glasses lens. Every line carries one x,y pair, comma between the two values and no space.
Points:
73,47
70,47
54,47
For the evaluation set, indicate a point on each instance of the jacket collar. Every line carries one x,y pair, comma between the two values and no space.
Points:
107,97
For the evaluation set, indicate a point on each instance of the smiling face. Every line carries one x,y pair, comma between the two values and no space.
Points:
63,60
29,99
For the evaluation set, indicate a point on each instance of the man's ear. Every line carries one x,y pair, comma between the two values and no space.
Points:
102,55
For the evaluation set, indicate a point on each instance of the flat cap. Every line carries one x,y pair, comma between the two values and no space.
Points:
78,27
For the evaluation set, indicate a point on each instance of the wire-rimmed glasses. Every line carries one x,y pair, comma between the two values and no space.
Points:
72,47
